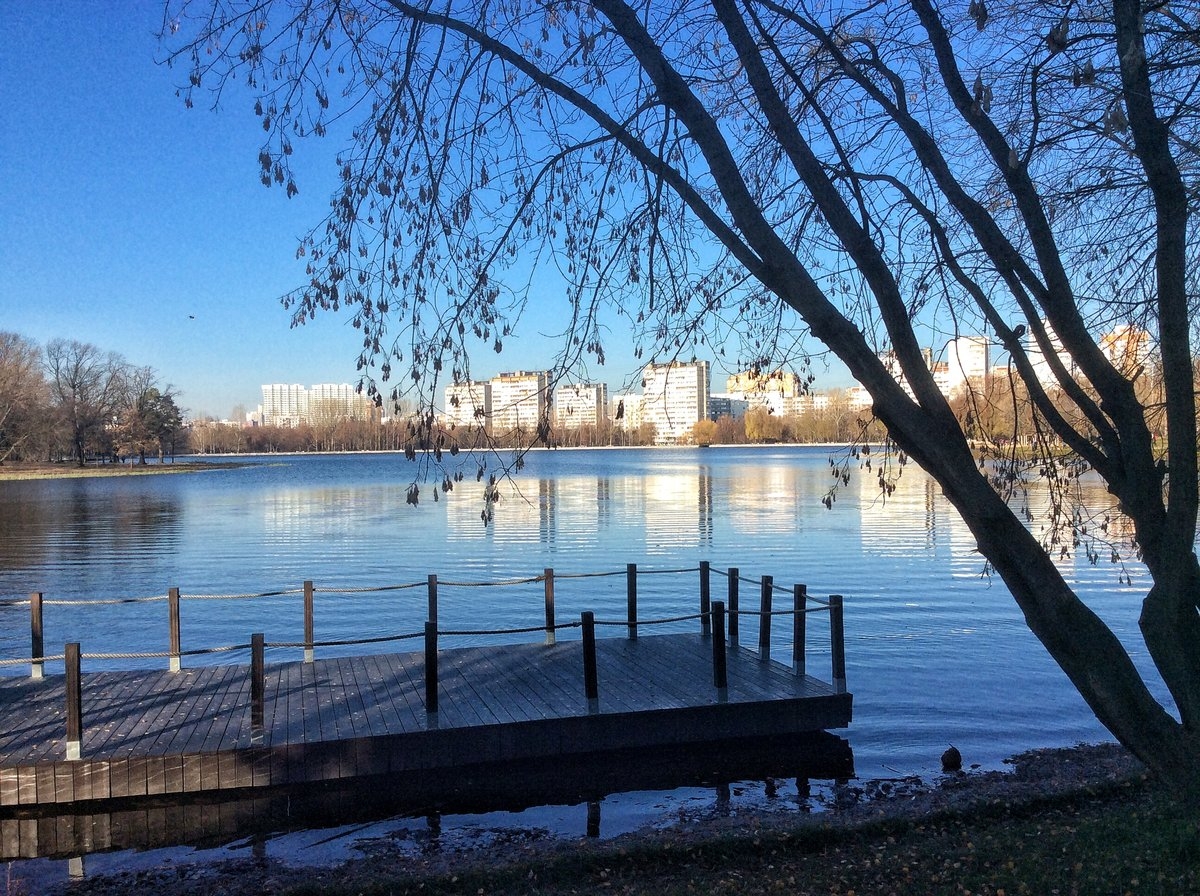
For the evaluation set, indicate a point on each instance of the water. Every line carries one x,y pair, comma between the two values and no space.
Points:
937,653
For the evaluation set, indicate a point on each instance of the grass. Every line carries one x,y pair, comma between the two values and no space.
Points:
1133,839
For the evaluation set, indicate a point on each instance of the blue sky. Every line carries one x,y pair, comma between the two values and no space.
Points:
131,222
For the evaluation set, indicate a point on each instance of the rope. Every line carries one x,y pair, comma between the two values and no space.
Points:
15,603
509,631
162,653
99,601
639,622
346,643
661,572
527,581
368,589
284,593
29,661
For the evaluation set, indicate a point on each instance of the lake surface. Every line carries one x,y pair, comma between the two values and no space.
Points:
937,652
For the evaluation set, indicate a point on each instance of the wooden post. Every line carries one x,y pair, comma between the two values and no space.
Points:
799,626
720,669
705,599
309,639
631,594
837,643
173,625
431,673
764,618
257,686
74,700
733,606
550,634
591,685
432,614
37,668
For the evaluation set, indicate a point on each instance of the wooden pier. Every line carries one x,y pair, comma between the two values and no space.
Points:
155,733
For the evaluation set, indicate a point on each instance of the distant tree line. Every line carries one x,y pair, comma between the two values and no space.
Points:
73,400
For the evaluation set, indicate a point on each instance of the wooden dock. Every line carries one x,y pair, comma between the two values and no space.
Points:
191,732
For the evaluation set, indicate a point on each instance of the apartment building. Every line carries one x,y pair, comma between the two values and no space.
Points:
284,405
674,399
519,401
581,404
293,405
468,404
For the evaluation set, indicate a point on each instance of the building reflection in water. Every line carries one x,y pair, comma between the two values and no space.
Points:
647,514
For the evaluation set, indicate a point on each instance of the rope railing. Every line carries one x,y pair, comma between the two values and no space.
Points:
713,616
802,605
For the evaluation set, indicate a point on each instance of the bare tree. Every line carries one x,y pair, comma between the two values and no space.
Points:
24,398
87,386
873,178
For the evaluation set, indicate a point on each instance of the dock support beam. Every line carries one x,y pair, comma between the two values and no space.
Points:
764,618
720,668
309,639
257,686
799,626
837,643
591,685
37,668
74,700
431,673
175,663
705,599
432,613
548,575
733,605
631,592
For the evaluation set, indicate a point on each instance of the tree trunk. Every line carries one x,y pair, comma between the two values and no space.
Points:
1078,640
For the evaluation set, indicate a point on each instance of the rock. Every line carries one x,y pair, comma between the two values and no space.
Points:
952,760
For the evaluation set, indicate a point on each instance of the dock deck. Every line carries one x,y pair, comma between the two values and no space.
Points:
152,733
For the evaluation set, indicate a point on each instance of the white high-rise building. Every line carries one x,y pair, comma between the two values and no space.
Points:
519,401
284,405
966,364
625,410
581,404
674,399
468,404
291,405
1041,366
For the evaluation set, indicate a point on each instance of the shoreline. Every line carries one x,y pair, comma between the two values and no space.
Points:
859,815
23,472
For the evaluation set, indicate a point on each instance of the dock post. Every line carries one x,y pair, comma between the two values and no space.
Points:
837,643
591,685
764,618
431,673
74,700
733,606
631,589
37,668
705,599
309,639
720,669
175,663
432,614
257,687
550,635
799,626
